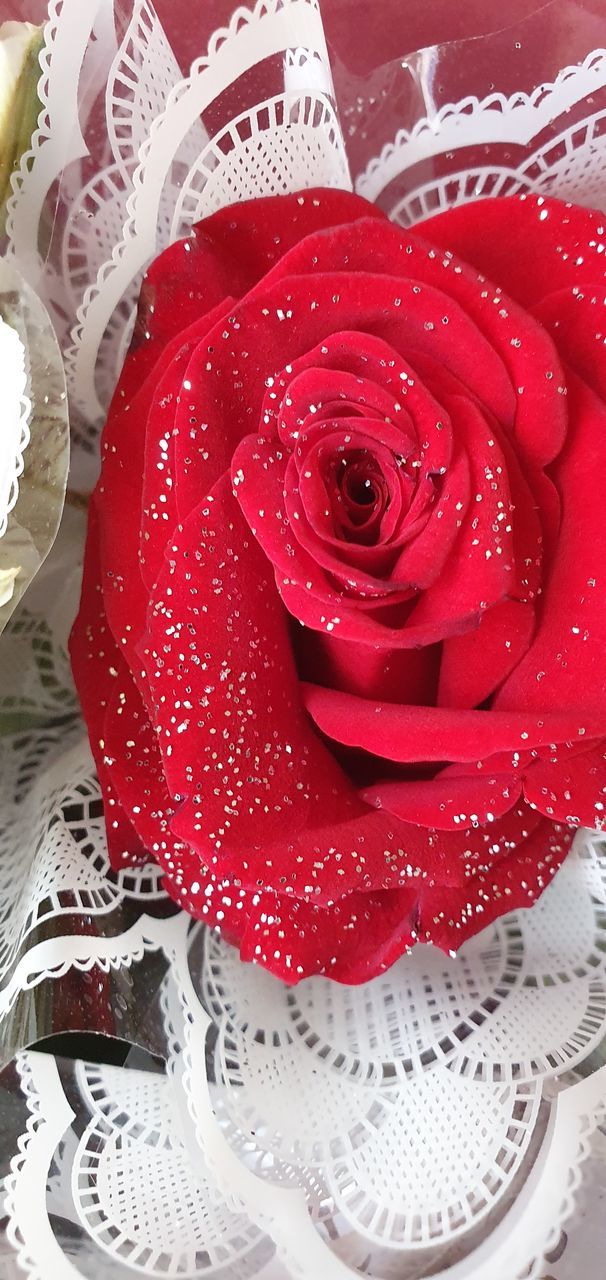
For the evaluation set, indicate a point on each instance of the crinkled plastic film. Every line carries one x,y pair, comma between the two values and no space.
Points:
248,1131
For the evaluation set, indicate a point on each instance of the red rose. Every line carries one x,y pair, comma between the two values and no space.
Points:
341,640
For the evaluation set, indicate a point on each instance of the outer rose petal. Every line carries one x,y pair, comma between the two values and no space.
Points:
131,744
229,252
408,734
571,790
352,941
556,245
158,503
448,918
125,746
364,933
240,757
383,853
565,666
571,318
188,285
95,655
124,439
122,478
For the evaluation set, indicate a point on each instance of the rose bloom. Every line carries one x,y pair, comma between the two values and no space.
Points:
341,640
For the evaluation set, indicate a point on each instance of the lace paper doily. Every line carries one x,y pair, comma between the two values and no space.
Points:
308,1124
292,1132
552,137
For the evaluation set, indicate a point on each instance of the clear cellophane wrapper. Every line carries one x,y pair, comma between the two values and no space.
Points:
445,1118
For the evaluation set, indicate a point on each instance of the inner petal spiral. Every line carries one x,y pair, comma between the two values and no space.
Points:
362,495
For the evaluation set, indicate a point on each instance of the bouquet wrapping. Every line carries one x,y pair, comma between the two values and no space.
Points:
302,1127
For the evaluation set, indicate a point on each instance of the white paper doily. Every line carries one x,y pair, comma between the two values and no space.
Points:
570,164
376,1130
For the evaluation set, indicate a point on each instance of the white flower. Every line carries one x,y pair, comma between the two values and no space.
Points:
15,40
20,44
7,583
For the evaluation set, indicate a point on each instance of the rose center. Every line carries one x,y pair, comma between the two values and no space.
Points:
362,492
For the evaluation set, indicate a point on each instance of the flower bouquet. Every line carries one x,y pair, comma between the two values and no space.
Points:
314,833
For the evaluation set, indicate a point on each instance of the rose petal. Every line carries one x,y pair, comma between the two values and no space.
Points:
355,940
379,629
474,665
227,253
556,245
158,500
240,758
421,561
572,317
480,570
381,375
97,664
564,666
410,674
571,789
131,744
448,917
322,383
448,802
411,734
119,495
